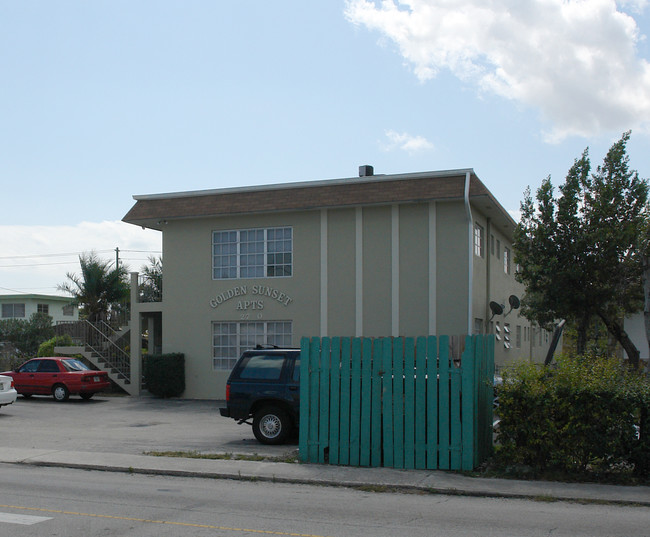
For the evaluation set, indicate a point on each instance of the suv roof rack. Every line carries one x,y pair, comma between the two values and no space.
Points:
265,346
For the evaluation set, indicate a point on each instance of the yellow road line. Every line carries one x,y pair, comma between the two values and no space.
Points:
169,522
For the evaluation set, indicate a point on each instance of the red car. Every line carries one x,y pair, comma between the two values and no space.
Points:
58,377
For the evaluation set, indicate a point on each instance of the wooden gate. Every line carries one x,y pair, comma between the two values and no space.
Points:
397,402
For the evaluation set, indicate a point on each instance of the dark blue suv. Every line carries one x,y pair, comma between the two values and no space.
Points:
265,385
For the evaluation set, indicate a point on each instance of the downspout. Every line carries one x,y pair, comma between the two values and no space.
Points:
488,274
470,268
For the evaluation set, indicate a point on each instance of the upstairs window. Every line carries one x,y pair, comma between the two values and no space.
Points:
478,240
43,308
252,253
506,260
12,311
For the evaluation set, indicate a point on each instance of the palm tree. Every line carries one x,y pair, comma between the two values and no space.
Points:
100,290
151,287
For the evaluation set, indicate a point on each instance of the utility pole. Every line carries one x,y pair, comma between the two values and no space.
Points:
117,258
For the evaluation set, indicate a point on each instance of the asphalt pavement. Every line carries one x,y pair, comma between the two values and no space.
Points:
119,434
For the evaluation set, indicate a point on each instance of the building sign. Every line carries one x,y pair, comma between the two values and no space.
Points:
251,297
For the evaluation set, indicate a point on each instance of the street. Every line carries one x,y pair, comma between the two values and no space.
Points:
73,503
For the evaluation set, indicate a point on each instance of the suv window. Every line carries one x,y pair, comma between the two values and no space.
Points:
262,367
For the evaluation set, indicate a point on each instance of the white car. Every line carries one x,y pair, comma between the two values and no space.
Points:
7,392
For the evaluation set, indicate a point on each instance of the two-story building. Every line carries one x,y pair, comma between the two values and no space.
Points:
375,255
60,308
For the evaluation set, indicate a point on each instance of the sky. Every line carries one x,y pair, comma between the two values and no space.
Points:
104,100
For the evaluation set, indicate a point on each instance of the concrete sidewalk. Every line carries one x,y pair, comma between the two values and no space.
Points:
380,479
113,433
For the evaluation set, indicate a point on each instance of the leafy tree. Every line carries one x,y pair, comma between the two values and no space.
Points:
100,289
27,334
151,288
580,254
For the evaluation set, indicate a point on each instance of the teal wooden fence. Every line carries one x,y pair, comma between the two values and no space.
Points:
396,402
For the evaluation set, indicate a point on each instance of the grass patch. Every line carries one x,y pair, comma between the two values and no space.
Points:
289,457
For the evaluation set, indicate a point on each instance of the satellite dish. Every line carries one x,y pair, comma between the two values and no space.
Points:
496,308
514,302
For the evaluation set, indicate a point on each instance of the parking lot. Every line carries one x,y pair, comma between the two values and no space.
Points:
122,424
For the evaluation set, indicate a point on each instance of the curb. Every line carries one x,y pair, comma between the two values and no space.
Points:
371,487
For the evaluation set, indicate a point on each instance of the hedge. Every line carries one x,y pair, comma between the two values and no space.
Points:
164,374
586,413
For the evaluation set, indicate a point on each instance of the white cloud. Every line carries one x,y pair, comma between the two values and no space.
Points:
406,142
35,259
575,61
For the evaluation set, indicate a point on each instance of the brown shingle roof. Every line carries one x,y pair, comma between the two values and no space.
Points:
373,190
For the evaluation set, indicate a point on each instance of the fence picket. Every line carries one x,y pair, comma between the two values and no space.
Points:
355,402
398,403
409,403
366,406
344,440
324,403
335,401
420,402
432,403
314,380
387,401
375,413
443,404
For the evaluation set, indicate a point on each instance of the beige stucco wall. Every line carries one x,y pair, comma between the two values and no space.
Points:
391,302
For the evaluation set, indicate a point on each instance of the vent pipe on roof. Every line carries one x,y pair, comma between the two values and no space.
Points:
366,171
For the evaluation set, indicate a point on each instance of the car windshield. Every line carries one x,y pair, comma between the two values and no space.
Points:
74,365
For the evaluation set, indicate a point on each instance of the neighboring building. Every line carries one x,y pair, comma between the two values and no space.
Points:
60,308
378,255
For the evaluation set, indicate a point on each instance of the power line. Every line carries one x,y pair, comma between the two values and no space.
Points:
50,255
40,264
36,256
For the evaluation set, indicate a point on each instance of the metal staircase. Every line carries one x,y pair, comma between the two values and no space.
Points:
102,346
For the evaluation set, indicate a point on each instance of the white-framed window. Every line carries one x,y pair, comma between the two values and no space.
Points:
506,260
478,240
68,310
43,308
252,253
230,339
12,311
478,325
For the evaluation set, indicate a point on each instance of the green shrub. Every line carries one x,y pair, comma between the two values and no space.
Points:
47,347
164,374
576,416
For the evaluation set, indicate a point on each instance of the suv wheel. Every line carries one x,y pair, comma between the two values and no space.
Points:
271,425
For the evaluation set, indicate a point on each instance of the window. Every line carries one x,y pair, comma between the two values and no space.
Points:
478,240
48,366
68,310
43,308
498,249
230,339
518,337
263,367
252,253
506,260
10,311
492,244
478,326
